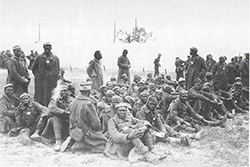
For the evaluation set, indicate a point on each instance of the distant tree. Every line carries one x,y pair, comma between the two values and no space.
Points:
139,35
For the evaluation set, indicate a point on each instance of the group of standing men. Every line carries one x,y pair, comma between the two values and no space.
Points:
117,118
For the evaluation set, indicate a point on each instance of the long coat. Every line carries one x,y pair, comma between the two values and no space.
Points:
46,72
94,71
17,73
118,145
220,75
196,67
244,72
123,64
179,111
83,115
232,72
7,112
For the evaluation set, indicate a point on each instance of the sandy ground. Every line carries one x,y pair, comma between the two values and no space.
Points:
219,147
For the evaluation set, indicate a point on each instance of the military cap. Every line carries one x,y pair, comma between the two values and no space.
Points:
237,79
181,80
17,47
152,99
129,99
63,87
8,85
141,82
144,93
24,95
159,91
137,76
197,80
209,74
116,98
102,87
47,44
183,92
121,105
85,86
110,92
194,49
116,87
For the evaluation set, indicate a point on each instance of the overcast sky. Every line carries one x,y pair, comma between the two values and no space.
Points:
76,28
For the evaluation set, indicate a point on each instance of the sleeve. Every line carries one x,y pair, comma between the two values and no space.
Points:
192,113
141,115
13,72
116,135
4,110
173,113
196,96
35,65
120,64
53,109
159,124
91,69
42,109
93,118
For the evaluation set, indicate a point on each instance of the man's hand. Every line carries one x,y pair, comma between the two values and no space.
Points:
134,134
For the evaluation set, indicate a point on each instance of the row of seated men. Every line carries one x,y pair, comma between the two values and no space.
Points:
121,117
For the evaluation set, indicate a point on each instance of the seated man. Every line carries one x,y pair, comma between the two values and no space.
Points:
181,85
58,124
29,117
84,124
8,104
183,117
109,112
205,102
127,132
226,98
140,102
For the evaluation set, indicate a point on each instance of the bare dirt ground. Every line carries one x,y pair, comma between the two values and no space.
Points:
219,147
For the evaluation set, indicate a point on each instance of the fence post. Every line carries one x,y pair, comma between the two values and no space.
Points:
166,72
143,70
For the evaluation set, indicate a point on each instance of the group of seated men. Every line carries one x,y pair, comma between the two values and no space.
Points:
122,116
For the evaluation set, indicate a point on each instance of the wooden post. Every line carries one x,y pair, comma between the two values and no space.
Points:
143,70
166,72
104,68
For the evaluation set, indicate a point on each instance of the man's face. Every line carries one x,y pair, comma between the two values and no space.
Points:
108,98
64,93
151,105
118,92
182,84
9,91
47,49
18,52
136,80
217,86
184,97
121,112
144,99
197,86
25,100
141,86
158,95
115,102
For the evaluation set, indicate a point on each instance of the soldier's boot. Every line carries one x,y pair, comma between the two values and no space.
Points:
58,145
217,115
148,141
185,141
36,136
66,144
217,123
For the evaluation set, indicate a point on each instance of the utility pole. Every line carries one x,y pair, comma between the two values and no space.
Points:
135,22
114,31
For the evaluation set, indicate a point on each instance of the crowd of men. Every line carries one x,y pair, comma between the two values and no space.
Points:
121,117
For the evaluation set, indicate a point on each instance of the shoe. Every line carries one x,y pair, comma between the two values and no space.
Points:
36,137
229,115
152,158
66,144
185,141
57,145
199,134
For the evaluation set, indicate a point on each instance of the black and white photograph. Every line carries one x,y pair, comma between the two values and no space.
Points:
124,83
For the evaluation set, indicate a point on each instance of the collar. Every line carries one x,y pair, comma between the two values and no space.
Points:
82,97
50,57
118,120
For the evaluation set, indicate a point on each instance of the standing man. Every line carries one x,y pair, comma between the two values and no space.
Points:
124,65
46,69
94,71
196,68
220,74
157,65
179,68
244,70
18,74
31,58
